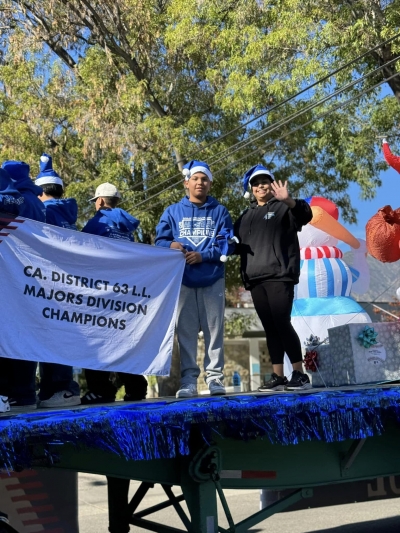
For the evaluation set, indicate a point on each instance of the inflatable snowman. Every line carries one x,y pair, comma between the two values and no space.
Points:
322,297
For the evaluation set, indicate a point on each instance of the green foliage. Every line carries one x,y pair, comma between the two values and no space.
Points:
126,90
238,323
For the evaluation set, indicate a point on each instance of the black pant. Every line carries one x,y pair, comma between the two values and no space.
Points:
56,378
273,302
18,380
98,382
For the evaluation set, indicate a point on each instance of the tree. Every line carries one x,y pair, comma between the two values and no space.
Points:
126,90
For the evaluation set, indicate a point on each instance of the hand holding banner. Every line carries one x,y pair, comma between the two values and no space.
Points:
83,300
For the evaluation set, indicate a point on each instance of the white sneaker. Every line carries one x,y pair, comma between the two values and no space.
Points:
61,399
216,387
4,404
187,391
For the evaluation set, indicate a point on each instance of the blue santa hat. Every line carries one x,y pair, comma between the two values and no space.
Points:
18,170
196,166
47,174
6,183
257,170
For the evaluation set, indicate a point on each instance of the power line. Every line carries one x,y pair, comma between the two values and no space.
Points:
284,121
342,105
273,108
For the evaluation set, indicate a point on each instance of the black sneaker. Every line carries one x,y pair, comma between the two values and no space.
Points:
299,381
90,398
274,383
19,406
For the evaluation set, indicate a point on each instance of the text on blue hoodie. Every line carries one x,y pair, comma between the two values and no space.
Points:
196,228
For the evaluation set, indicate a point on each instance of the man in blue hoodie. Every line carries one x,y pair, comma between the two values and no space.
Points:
10,204
21,375
115,223
193,226
57,387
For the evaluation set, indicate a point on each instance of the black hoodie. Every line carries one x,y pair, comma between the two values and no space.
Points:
268,244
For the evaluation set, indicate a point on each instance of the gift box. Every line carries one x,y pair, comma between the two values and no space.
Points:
365,353
322,374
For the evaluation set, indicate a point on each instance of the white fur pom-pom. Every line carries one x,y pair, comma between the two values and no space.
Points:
223,258
186,173
246,194
44,159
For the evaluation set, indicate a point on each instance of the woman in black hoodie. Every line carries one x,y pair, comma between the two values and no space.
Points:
270,268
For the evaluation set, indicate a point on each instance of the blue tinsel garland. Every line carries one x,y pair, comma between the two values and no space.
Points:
161,429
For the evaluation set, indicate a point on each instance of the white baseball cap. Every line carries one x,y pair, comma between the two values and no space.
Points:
106,190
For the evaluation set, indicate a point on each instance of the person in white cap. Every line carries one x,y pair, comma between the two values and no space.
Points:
115,223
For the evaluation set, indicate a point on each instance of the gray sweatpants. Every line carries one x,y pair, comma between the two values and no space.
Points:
201,309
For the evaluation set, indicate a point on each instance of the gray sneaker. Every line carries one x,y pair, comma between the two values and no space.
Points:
61,399
216,387
187,391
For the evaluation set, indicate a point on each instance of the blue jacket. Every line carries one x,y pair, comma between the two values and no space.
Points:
114,223
196,228
10,198
62,212
32,207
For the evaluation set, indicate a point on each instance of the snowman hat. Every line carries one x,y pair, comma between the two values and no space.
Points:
47,174
257,170
196,166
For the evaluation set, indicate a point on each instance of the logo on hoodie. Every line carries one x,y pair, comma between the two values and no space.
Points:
197,229
269,215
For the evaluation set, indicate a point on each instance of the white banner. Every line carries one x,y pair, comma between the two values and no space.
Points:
87,301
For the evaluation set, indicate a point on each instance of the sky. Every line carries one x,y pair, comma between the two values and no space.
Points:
387,194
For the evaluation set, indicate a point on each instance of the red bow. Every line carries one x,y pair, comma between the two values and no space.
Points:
310,361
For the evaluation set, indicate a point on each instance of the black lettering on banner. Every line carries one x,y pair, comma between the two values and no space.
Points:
76,317
30,290
41,293
116,288
142,309
91,301
37,274
65,316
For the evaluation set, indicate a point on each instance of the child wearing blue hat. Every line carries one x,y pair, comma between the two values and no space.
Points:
61,212
20,375
193,226
57,387
270,267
